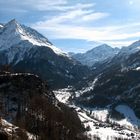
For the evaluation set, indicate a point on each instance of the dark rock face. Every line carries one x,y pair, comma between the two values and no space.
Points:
109,87
26,101
3,136
59,71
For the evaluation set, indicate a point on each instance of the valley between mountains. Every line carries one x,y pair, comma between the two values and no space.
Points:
47,94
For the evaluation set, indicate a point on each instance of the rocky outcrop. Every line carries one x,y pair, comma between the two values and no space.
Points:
27,102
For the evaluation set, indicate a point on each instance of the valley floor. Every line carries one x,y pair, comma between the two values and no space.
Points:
96,123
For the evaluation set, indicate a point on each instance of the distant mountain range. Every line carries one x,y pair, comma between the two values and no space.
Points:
110,96
95,55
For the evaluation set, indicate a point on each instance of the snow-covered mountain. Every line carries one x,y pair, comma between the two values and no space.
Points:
128,58
108,100
133,48
26,50
12,33
96,55
114,79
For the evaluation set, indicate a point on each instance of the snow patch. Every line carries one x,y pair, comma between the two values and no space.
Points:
95,120
87,89
10,129
63,94
130,117
1,26
100,114
138,68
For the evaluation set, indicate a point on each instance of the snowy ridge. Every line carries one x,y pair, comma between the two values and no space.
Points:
133,48
95,55
13,33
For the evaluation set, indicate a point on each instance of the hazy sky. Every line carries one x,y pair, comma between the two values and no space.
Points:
78,25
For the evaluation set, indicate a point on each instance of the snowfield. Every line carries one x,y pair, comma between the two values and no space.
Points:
63,95
95,120
130,117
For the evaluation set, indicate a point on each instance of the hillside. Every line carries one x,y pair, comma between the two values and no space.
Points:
27,103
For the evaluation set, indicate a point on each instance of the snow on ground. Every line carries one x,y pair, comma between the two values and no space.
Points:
130,117
102,129
89,88
84,117
95,119
63,95
105,133
138,68
1,26
10,129
100,114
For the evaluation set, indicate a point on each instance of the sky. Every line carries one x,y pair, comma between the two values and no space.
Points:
78,25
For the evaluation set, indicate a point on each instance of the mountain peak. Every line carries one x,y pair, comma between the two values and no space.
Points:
9,34
96,55
12,23
103,46
13,33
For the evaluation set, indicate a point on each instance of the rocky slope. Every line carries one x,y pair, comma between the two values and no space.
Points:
26,102
9,131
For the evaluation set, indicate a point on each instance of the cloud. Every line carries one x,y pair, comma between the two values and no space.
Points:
40,5
74,20
16,10
90,34
116,36
131,2
120,43
66,7
44,5
76,24
95,16
74,14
